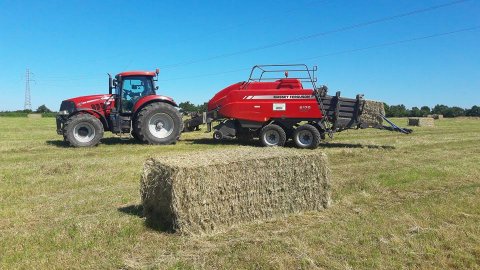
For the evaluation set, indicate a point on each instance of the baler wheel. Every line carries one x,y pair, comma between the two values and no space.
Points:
307,136
158,123
273,135
83,130
217,135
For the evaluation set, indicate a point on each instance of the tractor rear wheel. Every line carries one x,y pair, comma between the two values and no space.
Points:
273,135
83,130
158,123
306,136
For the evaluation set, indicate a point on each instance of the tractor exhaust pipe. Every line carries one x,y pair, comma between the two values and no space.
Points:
110,83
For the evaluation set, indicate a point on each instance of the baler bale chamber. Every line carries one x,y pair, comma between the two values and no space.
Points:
277,108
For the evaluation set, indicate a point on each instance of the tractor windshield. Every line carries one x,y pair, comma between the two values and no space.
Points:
133,88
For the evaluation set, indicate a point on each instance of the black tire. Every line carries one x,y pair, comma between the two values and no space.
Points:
158,123
217,135
135,136
272,135
83,130
306,137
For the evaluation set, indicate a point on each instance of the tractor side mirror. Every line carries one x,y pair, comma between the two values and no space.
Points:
156,87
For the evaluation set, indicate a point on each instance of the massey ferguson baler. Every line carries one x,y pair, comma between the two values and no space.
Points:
277,108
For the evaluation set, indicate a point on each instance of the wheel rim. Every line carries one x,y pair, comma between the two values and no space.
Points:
161,125
271,137
305,138
84,132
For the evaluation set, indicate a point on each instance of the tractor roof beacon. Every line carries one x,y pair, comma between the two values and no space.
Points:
131,106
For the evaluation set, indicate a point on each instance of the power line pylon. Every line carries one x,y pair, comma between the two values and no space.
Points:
28,103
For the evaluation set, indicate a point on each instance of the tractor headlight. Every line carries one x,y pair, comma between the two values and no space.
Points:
64,112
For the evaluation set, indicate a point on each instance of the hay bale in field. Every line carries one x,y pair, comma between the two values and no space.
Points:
436,116
34,115
205,191
421,121
371,113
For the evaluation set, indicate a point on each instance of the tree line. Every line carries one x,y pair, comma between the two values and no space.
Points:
446,111
44,110
390,110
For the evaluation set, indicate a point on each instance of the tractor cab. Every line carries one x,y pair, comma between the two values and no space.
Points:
130,87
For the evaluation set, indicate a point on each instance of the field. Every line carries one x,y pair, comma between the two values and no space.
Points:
400,201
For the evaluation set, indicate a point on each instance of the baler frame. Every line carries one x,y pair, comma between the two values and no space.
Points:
338,113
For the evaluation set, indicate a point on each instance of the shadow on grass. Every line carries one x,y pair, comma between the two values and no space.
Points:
289,144
106,141
160,224
355,145
133,210
222,142
118,140
58,143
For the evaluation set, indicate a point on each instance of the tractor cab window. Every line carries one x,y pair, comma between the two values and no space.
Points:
134,88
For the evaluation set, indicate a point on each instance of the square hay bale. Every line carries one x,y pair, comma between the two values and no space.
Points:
34,115
421,121
202,192
371,113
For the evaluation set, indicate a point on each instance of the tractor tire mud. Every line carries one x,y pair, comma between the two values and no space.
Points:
83,130
158,123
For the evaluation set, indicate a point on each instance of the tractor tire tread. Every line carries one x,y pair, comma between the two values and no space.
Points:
141,120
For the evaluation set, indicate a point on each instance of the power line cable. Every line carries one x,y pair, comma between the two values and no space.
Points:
386,44
315,35
393,43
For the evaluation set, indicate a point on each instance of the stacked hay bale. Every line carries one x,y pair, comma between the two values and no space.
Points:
206,191
436,116
371,113
34,115
421,121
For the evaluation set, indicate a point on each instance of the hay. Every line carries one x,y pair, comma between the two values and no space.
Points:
436,116
34,115
371,113
206,191
421,121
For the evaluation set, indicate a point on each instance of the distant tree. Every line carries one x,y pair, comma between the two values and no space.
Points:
440,109
415,112
454,112
474,111
387,110
425,110
43,109
398,111
187,107
202,107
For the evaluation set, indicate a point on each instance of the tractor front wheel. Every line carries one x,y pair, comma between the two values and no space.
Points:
83,130
158,123
273,135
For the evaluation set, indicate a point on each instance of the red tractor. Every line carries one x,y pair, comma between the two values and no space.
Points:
134,109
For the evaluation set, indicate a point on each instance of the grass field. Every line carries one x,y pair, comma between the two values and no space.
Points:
400,201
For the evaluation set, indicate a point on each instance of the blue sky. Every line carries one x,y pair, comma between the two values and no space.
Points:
71,45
